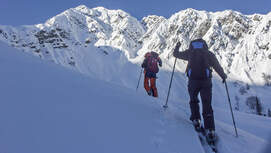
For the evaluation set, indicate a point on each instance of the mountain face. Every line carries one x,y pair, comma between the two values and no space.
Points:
104,43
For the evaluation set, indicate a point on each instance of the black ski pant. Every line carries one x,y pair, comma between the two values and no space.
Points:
204,87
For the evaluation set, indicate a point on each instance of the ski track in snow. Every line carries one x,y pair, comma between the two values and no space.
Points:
167,131
245,143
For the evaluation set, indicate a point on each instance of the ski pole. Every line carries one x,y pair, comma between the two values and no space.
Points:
231,108
139,79
165,106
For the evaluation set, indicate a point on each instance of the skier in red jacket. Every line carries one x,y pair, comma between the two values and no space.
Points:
150,65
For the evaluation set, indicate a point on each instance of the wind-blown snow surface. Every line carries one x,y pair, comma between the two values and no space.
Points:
46,108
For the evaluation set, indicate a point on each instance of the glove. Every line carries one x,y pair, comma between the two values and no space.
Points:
224,78
178,44
160,64
142,65
175,52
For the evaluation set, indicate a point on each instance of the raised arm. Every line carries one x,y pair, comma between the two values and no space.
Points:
182,55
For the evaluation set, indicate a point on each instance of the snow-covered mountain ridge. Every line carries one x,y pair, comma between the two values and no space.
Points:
110,43
241,42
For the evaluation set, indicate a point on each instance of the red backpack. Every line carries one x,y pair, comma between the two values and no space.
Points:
152,62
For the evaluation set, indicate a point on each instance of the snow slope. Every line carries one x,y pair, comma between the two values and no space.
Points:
110,44
47,108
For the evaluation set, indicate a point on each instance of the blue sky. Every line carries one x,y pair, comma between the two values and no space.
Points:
27,12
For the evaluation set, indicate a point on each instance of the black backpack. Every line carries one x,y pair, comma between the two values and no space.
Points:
198,68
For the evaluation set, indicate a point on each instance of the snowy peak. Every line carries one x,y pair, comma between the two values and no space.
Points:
241,42
229,34
82,8
81,26
150,21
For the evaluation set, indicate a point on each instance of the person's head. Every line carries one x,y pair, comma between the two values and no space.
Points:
198,44
154,54
147,54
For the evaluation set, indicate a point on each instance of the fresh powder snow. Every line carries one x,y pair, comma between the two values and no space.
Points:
46,107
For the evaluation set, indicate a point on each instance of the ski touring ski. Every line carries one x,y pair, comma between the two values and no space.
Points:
209,145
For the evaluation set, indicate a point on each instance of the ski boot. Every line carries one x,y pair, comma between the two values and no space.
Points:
210,136
149,92
197,125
